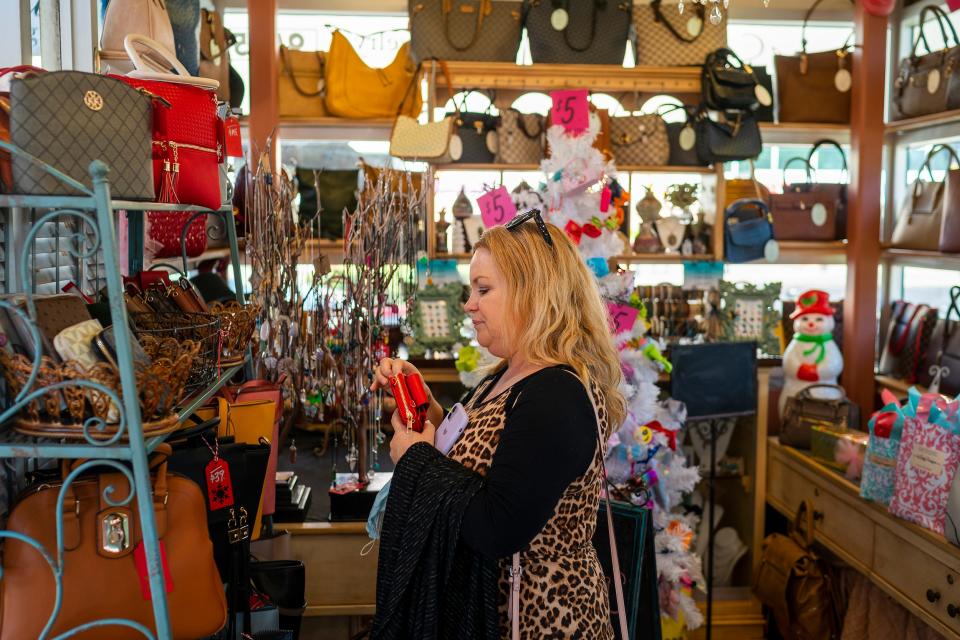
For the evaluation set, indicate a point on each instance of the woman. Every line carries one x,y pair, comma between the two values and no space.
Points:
533,431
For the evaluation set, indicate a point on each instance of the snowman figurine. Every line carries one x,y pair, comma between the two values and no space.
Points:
812,357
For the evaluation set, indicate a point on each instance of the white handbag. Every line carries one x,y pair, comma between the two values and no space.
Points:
431,142
123,17
152,61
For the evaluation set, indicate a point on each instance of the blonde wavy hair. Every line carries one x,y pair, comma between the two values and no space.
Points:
556,311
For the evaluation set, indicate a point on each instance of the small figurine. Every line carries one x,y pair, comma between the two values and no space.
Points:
441,230
812,357
649,207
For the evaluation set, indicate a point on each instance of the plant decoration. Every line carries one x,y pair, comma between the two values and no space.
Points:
683,195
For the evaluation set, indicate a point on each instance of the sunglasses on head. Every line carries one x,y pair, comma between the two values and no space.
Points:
532,214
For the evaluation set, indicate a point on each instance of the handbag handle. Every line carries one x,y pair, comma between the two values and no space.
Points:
522,125
484,7
803,29
941,18
804,516
701,13
597,5
806,166
830,143
157,61
937,148
724,54
288,71
897,343
806,391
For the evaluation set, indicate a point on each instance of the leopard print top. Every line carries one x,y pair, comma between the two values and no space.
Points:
563,592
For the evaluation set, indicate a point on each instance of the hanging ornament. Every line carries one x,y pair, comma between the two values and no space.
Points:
716,17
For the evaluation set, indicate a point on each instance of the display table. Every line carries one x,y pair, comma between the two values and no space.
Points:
918,568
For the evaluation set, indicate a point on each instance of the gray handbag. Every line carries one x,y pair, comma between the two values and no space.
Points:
68,119
640,140
591,31
520,137
667,38
479,30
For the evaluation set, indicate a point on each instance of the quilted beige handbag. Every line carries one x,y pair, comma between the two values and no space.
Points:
640,140
411,140
668,38
520,137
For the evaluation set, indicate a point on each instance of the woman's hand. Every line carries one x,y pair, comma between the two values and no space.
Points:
390,367
404,437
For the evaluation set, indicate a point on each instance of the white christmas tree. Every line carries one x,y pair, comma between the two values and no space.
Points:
643,454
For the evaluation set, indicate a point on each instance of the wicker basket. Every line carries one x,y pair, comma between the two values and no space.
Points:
160,333
238,323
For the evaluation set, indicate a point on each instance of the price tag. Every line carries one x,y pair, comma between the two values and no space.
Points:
570,110
234,144
622,317
219,485
140,562
496,207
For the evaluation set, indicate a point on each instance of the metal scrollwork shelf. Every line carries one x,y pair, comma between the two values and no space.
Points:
92,216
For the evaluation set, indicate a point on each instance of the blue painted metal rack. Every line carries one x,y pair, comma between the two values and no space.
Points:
129,443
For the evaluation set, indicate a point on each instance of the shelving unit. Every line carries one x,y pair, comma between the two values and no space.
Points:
926,259
622,168
798,252
945,118
803,133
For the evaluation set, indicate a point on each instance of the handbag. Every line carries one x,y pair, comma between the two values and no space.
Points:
682,137
921,215
814,87
591,31
791,581
726,141
725,86
745,188
477,133
324,196
214,52
300,84
927,83
354,90
520,137
99,563
429,142
478,30
908,340
804,410
942,362
950,220
764,112
837,192
640,140
55,116
746,231
668,38
806,215
123,17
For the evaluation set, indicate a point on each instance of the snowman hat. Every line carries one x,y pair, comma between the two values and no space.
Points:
813,301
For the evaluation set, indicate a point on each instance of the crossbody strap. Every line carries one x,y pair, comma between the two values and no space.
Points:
516,571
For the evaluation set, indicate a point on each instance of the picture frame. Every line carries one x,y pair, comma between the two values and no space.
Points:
748,314
435,318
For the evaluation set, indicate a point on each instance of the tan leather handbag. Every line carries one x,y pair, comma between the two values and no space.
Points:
950,222
214,54
792,583
815,87
354,90
101,544
123,17
921,215
745,188
300,84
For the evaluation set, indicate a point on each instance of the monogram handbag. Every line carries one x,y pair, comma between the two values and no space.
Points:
814,87
481,30
102,563
354,90
68,119
746,231
800,214
908,340
214,54
725,85
668,38
520,137
926,83
921,215
300,84
578,31
738,139
123,17
805,410
640,140
682,137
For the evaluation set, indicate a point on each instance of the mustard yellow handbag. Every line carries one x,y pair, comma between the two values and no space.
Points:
354,90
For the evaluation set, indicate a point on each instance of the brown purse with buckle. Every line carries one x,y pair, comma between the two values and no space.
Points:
101,553
805,410
792,583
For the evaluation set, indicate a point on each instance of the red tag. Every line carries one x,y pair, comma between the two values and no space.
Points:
605,197
496,207
953,5
570,110
622,317
140,560
219,486
234,142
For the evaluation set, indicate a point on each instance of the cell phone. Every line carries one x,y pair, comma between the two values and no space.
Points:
450,429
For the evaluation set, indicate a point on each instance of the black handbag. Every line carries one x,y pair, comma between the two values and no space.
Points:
735,139
324,195
284,581
747,228
477,133
595,32
679,156
944,350
764,112
725,86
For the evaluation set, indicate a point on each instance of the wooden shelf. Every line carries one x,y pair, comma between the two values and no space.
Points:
335,129
625,168
636,258
925,259
799,252
548,77
897,385
923,122
803,132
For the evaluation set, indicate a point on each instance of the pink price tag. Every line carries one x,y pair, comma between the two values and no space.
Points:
570,109
496,207
622,317
953,5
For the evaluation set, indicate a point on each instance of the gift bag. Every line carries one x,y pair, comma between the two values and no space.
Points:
926,461
880,463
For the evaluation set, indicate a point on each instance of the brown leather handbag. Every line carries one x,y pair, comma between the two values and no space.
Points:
950,220
927,83
942,361
101,544
745,188
803,214
793,584
923,210
805,410
836,191
814,87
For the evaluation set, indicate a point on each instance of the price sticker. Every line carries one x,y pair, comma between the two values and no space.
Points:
496,207
622,317
570,110
234,143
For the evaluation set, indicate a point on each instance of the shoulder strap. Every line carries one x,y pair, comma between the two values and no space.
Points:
515,571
